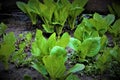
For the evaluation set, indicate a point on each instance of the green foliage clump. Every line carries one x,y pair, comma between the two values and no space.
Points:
53,14
3,27
7,47
51,56
26,9
90,43
114,9
20,57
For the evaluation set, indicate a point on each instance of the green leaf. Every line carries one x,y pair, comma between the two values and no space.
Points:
48,2
40,68
48,28
28,37
55,66
74,44
41,43
80,3
76,68
54,63
51,41
61,14
58,51
97,17
60,17
49,16
101,23
76,8
90,47
35,51
72,77
94,34
34,6
64,40
22,6
109,19
115,27
27,9
9,38
115,53
104,41
73,15
64,2
79,32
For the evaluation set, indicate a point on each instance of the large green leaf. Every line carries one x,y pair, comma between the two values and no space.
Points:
74,44
101,22
109,19
79,3
64,40
22,6
39,46
115,53
61,14
76,8
34,5
64,2
74,12
90,47
26,9
97,17
46,10
79,31
116,27
48,28
58,51
42,42
35,50
104,41
55,66
9,38
54,63
76,68
51,41
40,68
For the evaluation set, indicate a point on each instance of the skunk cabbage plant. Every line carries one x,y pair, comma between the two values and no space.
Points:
27,10
76,8
51,56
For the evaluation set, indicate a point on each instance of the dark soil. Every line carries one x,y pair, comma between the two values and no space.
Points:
15,73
